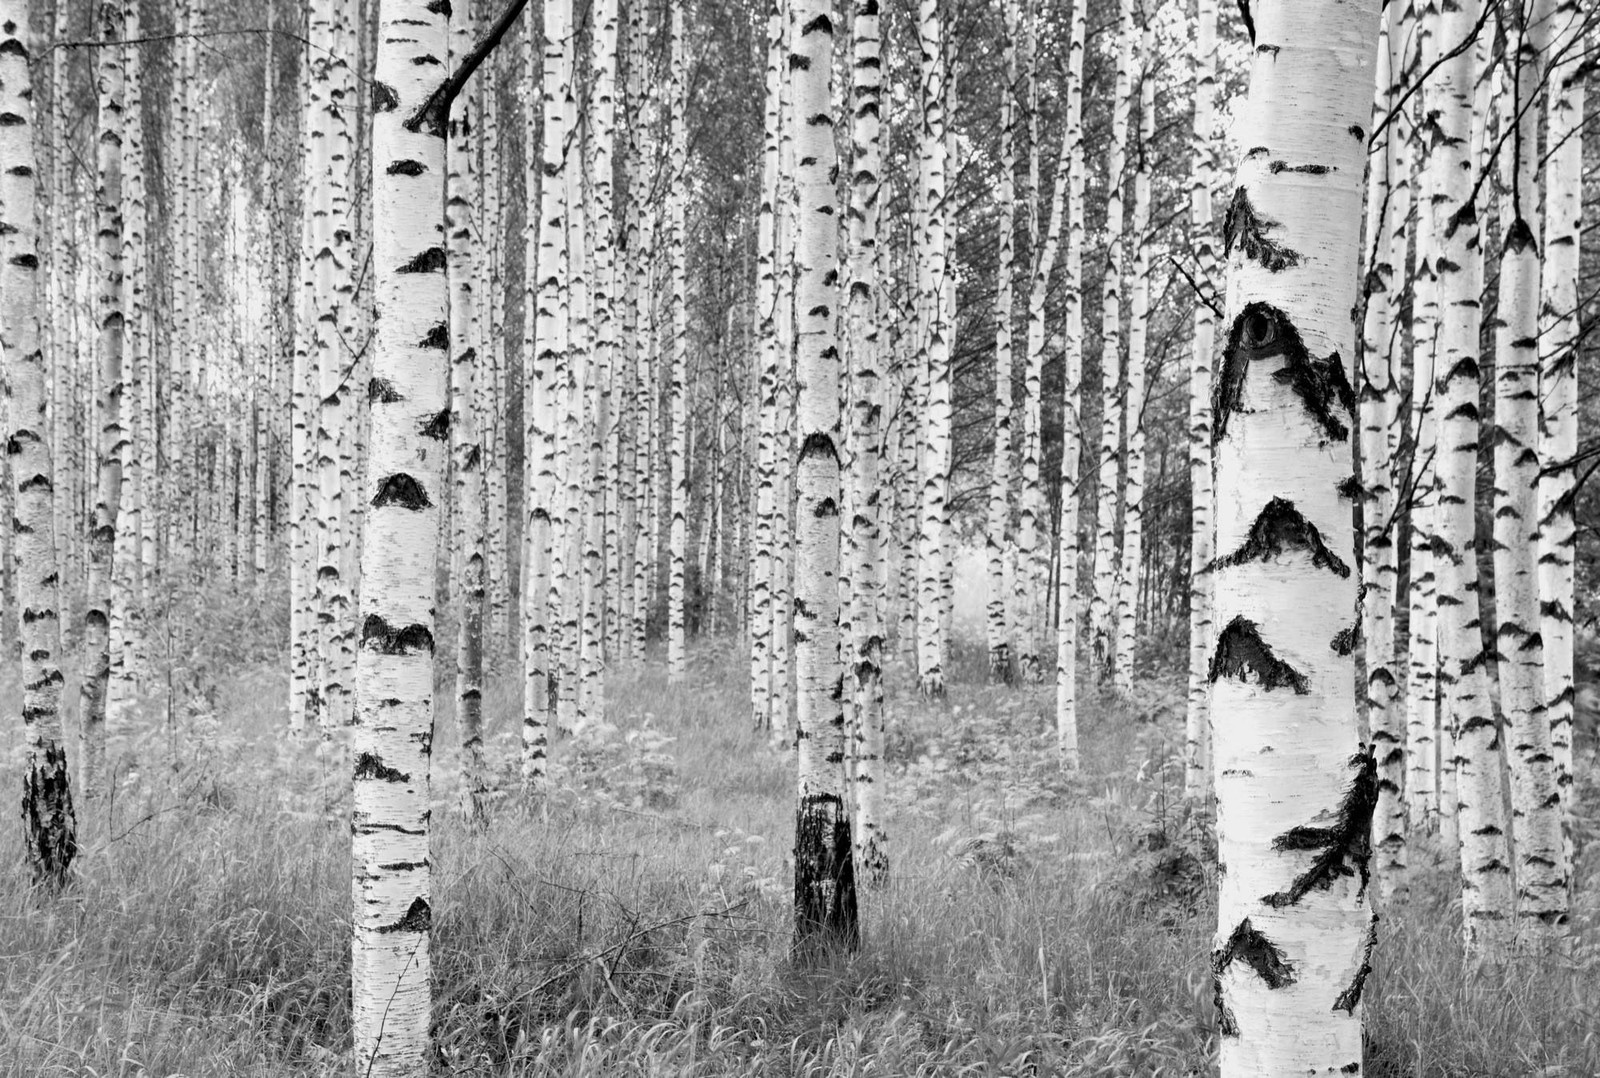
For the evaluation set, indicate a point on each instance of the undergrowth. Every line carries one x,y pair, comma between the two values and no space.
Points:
636,921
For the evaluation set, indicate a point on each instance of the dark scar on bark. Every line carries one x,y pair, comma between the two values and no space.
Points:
1350,487
370,766
1351,996
1345,844
1248,945
1345,640
385,638
1279,528
1249,23
1261,331
418,918
1246,226
382,391
402,490
824,914
1241,652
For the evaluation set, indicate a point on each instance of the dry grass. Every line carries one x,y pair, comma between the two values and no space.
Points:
636,922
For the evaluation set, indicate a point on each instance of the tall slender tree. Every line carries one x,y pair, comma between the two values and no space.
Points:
998,527
49,827
1294,937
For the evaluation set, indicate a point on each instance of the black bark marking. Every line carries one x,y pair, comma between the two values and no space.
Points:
388,640
1278,529
1244,225
1345,640
1250,946
1311,170
819,442
1249,23
440,7
1350,487
402,490
1345,843
825,909
1241,652
438,337
1351,996
438,427
382,391
1357,132
1261,331
419,918
384,99
1519,237
821,22
1227,1025
370,766
48,825
406,168
430,261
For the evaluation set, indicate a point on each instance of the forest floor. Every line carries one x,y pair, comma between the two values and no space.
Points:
638,921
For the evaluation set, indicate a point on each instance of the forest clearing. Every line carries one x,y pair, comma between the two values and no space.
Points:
1015,537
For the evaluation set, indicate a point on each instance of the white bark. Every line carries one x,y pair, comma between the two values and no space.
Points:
996,537
1102,612
1072,432
408,400
1388,209
49,828
1197,719
824,883
1294,798
1541,871
1558,352
677,210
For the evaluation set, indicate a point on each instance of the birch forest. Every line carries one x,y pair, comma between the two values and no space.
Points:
804,538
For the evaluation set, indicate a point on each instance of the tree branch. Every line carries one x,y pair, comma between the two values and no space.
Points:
435,112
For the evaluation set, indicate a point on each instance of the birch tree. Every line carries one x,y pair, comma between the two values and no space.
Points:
1388,209
824,872
864,311
1541,867
1072,404
49,828
1102,612
1294,938
997,541
1197,718
110,432
677,209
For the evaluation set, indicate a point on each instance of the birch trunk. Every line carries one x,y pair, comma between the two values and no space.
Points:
1102,610
1452,234
409,403
1541,869
49,828
677,209
1132,558
108,407
547,314
1558,352
1388,210
934,352
1197,721
767,315
997,539
824,876
466,445
864,311
1294,938
1068,601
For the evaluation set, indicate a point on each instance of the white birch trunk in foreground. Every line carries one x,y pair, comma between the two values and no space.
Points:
865,311
1558,354
409,405
1068,600
1196,752
1294,796
49,829
1541,870
1388,208
824,875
